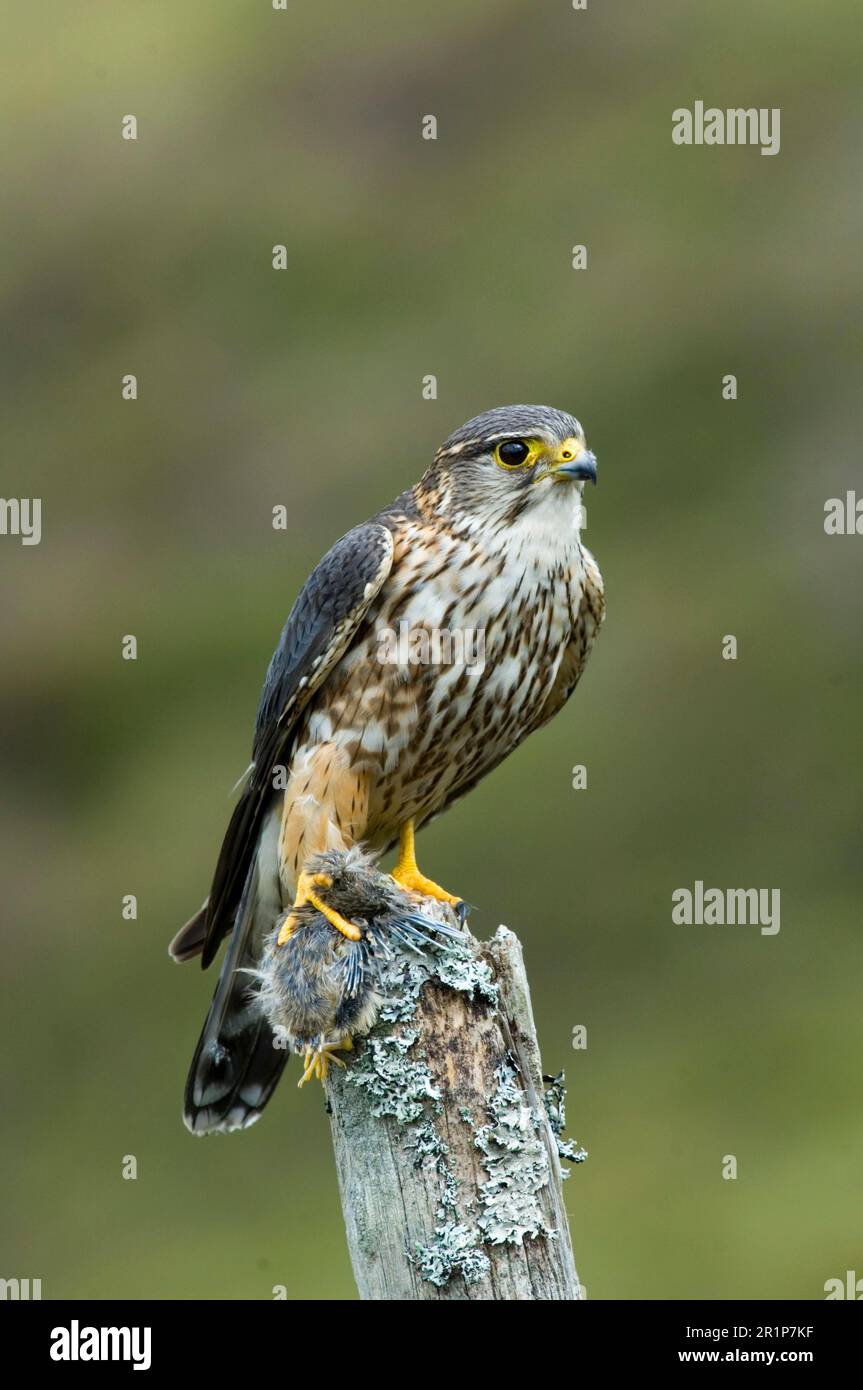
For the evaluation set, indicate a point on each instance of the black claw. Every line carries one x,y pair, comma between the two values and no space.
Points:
461,911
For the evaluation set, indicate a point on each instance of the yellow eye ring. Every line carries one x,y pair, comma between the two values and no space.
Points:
512,453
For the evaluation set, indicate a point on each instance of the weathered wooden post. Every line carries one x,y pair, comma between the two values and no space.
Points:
447,1139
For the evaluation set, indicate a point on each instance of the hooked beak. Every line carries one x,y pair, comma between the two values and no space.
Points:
570,461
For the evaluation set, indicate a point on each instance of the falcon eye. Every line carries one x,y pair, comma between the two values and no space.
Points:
512,453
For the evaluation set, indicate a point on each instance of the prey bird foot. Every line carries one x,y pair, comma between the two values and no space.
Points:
317,1061
306,886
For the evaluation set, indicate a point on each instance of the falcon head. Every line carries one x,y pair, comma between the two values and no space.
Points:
509,460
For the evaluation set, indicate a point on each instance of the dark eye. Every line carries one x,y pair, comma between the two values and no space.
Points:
513,452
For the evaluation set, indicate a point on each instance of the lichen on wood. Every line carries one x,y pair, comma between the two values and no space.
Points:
446,1145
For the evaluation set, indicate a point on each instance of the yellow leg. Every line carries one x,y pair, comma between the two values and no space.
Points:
318,1063
407,875
306,885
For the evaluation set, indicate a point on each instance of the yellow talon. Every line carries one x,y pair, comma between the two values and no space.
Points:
317,1063
407,874
306,885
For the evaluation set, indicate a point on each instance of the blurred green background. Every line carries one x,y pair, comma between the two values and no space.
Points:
303,387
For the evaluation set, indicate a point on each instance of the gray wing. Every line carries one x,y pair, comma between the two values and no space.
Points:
323,622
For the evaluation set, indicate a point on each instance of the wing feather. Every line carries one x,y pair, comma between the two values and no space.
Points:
322,624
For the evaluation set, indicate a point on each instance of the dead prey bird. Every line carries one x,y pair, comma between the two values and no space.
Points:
318,989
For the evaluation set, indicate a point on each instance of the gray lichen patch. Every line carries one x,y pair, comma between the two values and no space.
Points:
402,978
452,1250
431,1151
396,1084
458,967
516,1160
453,963
554,1099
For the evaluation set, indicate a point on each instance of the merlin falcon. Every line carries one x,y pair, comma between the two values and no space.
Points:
351,749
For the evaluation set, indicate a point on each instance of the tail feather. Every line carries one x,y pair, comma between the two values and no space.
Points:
189,941
236,1065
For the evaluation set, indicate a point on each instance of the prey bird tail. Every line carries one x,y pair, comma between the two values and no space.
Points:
236,1066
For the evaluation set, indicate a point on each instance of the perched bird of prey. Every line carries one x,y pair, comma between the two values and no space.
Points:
355,747
319,990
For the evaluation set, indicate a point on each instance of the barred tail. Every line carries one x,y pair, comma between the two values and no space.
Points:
236,1065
